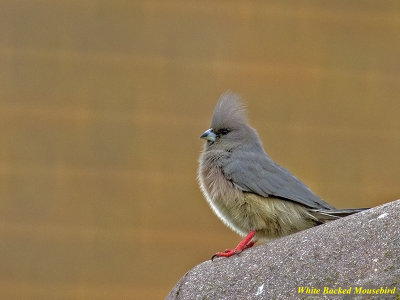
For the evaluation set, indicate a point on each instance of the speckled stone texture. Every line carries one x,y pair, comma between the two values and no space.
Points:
362,250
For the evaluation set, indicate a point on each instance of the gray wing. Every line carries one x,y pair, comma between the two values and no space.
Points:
255,172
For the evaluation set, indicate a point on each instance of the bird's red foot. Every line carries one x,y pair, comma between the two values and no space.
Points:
226,253
244,244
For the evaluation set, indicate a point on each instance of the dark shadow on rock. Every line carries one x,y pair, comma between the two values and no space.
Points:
359,251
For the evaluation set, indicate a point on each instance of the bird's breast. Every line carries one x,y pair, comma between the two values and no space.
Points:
223,196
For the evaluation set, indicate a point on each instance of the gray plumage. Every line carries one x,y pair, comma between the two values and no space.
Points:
246,188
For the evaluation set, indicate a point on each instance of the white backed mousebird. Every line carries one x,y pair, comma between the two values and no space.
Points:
246,189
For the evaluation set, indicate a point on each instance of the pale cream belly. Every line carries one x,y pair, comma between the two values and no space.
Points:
269,217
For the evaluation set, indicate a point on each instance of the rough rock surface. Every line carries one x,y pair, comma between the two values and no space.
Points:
362,250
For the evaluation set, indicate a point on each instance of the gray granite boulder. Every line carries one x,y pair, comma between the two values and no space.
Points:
357,257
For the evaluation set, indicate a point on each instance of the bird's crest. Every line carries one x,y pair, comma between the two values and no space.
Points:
229,111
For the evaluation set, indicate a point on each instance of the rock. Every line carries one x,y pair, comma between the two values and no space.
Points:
359,251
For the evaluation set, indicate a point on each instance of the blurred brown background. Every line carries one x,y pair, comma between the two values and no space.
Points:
102,104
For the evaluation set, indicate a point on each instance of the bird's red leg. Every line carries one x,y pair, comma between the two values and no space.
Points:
244,244
249,245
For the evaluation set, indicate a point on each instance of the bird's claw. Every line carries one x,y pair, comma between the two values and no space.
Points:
244,244
226,253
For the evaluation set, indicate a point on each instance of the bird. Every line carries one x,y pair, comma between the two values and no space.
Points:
253,195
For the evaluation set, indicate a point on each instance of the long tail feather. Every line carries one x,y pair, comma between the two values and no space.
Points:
333,214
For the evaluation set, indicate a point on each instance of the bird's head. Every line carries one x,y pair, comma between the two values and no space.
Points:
229,128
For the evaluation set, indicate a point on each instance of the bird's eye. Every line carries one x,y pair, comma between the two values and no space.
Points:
224,131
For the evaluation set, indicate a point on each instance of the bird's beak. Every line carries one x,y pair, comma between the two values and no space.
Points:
208,135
